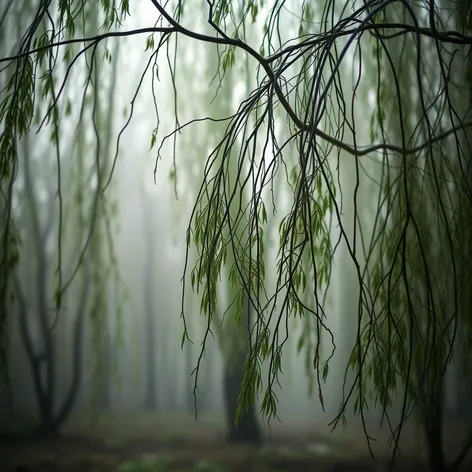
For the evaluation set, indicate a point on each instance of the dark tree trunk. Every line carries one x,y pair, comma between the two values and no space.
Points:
8,396
464,393
434,433
48,428
47,425
50,421
248,429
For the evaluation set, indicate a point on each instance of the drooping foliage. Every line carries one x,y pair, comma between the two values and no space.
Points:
57,148
411,257
419,251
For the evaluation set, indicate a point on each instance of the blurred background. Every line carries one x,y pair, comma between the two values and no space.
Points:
103,383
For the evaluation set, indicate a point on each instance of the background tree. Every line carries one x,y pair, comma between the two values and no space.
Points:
150,401
421,248
232,337
58,215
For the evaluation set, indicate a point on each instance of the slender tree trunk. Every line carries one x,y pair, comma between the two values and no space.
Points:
10,399
247,431
51,428
464,407
47,424
209,402
50,421
189,398
150,402
105,394
248,428
434,433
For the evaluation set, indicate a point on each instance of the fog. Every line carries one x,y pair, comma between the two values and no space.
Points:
134,371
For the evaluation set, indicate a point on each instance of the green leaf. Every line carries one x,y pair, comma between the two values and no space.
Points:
68,109
124,8
264,214
149,43
324,373
153,139
300,343
254,12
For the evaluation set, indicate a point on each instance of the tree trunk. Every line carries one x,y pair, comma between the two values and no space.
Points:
434,433
50,422
189,383
248,429
150,401
209,399
48,427
464,393
105,393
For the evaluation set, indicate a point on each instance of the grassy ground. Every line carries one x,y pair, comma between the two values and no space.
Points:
175,442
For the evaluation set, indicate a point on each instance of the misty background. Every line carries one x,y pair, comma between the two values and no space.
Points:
127,303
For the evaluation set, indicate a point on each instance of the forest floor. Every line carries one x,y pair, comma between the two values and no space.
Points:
165,443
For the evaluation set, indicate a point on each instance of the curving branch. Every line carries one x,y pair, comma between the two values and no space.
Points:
265,63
